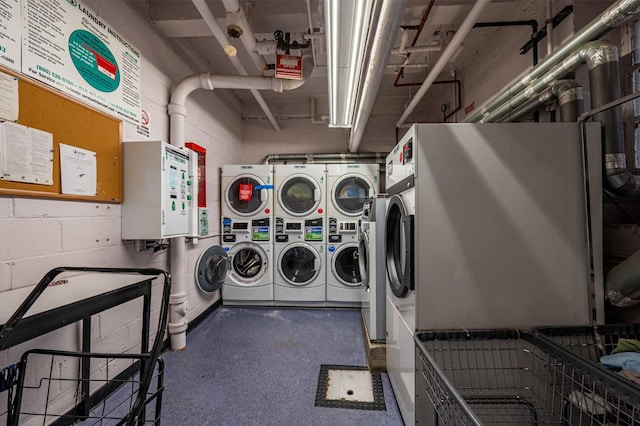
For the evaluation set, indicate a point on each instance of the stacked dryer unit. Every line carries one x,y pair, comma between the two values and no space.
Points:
349,186
247,233
300,235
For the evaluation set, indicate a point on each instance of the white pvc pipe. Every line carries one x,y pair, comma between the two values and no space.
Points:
456,41
415,49
236,15
220,35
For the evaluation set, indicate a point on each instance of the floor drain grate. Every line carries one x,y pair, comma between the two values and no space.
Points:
344,386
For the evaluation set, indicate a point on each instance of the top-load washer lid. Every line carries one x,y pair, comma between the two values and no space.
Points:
349,194
212,269
399,247
299,264
299,195
246,195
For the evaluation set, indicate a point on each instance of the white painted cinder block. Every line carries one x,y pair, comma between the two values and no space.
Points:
34,208
120,317
29,237
5,207
5,277
81,234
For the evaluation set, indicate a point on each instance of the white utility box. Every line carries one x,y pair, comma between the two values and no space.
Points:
159,191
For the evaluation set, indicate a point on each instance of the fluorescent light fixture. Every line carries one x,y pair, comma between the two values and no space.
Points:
346,28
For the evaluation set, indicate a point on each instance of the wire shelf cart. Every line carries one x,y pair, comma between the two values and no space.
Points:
111,385
511,377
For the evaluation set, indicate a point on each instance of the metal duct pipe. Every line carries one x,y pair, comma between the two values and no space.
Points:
379,157
621,286
604,82
577,58
390,18
567,92
221,36
450,50
613,16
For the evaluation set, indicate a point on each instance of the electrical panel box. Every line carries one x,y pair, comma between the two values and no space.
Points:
204,221
160,186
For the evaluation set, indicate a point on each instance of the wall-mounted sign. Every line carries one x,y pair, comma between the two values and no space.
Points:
68,46
10,24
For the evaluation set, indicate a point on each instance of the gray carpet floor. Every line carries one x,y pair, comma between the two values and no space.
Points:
255,366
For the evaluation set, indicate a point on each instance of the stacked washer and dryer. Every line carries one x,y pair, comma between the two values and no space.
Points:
247,234
300,235
350,185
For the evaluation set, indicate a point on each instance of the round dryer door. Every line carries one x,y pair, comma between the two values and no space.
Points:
212,268
243,198
349,194
249,263
299,195
299,264
399,247
345,266
363,259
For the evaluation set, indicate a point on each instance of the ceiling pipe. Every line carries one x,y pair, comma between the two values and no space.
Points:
316,120
390,18
364,157
418,29
237,22
549,25
434,47
311,38
177,117
613,16
450,50
220,35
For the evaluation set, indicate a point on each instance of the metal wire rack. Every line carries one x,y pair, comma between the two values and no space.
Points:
85,387
510,377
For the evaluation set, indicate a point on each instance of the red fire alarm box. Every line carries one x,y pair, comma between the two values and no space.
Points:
202,172
289,67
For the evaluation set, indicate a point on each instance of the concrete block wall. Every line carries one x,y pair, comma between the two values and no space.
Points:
40,234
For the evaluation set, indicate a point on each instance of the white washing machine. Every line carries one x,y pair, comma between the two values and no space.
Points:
247,233
300,240
399,262
349,186
371,262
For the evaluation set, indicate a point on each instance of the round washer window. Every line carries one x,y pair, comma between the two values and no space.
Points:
298,265
244,206
212,269
297,195
247,263
350,194
347,267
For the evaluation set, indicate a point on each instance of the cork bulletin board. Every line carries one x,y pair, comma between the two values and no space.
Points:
75,124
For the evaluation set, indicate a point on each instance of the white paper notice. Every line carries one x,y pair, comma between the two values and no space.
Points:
26,154
78,170
8,97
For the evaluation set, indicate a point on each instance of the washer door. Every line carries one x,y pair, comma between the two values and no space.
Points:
249,263
243,198
349,194
299,264
212,268
299,195
344,265
399,247
363,259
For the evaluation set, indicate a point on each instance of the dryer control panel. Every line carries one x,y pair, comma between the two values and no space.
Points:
287,230
342,230
246,230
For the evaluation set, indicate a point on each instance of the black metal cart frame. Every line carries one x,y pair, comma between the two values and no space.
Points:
144,365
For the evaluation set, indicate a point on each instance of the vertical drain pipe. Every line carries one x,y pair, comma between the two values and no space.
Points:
571,102
604,82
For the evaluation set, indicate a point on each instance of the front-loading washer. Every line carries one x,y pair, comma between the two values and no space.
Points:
371,261
348,186
250,279
299,255
247,233
399,258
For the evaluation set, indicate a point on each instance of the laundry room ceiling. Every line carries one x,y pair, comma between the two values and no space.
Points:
181,21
